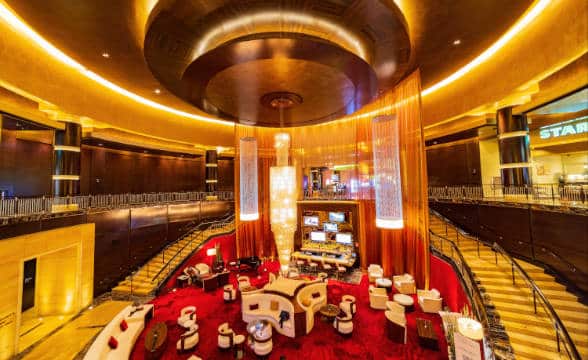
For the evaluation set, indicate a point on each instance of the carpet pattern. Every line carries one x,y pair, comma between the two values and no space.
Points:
368,341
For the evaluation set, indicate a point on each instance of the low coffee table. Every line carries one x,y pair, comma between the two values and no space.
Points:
156,341
329,312
426,334
405,300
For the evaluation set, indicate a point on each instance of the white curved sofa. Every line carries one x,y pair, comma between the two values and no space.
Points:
263,306
126,339
311,298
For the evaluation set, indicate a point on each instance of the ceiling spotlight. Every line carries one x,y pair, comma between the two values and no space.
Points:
456,42
145,151
100,144
105,55
157,91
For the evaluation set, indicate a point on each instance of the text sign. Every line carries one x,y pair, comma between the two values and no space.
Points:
563,130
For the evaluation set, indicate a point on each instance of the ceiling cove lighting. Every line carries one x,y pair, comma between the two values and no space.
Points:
248,197
529,16
387,172
10,18
283,201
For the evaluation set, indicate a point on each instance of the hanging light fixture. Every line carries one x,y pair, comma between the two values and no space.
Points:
283,201
248,197
387,172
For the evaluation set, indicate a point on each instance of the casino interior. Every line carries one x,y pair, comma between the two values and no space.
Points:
279,179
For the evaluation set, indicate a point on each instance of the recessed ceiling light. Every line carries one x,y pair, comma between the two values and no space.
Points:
145,151
100,144
456,42
157,91
105,55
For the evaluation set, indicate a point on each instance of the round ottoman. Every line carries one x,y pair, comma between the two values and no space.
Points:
404,300
384,283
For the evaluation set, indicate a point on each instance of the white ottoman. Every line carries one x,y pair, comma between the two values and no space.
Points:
384,283
405,300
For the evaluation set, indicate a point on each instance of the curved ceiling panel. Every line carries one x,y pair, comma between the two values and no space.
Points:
364,41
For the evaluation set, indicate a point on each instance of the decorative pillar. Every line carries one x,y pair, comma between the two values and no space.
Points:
67,160
211,170
248,197
283,201
387,181
513,146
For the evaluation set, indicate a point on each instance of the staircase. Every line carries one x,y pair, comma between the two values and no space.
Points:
531,334
147,279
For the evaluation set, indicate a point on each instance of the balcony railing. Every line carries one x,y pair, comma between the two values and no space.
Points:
17,207
546,194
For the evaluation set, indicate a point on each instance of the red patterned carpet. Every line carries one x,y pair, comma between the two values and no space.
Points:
368,341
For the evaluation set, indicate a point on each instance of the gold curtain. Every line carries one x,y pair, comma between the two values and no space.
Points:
349,142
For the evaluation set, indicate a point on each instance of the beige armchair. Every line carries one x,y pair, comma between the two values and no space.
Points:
375,272
378,298
404,284
430,301
243,282
187,318
188,340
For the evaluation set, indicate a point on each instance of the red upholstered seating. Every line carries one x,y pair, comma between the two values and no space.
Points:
123,325
112,342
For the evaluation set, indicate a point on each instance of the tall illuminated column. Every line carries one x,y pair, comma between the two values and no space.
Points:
387,179
211,165
248,198
67,160
283,201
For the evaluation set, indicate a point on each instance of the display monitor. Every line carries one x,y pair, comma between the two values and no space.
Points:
336,217
318,236
344,238
311,220
330,227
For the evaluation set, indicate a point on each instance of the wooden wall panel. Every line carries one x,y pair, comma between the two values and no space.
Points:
25,166
226,175
115,172
457,164
556,239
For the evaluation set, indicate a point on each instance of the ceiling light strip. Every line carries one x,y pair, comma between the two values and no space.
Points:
537,9
513,134
66,148
13,20
9,17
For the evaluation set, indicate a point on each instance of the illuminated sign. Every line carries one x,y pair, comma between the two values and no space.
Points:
563,129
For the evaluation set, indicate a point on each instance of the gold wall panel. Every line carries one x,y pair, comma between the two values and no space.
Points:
65,275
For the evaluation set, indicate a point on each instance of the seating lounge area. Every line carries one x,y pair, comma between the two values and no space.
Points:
293,179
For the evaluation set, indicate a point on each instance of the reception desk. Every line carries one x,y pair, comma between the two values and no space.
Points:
343,260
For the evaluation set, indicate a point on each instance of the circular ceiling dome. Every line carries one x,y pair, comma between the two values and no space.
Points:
243,61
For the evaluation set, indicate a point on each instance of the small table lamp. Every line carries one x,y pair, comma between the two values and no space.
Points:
211,252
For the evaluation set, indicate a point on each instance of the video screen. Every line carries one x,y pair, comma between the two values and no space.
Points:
344,238
318,236
330,227
311,220
337,217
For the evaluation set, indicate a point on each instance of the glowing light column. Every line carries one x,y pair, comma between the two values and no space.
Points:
387,172
283,201
248,206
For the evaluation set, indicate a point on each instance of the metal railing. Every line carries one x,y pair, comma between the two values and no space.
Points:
450,251
561,333
196,235
16,207
556,194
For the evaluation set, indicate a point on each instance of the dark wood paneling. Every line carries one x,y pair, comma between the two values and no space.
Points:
226,175
215,209
112,172
25,166
556,239
457,164
111,249
70,220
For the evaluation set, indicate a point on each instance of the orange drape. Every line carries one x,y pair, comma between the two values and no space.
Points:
349,141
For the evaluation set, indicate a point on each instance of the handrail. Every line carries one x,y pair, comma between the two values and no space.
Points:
544,248
17,207
549,310
573,195
228,220
472,290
